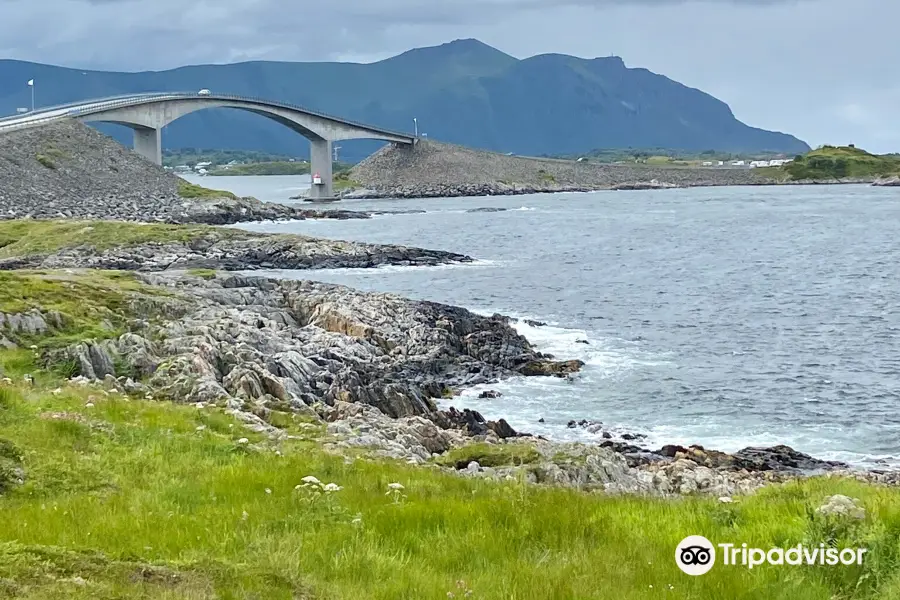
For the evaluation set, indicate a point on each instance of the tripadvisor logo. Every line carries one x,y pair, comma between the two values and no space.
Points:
696,555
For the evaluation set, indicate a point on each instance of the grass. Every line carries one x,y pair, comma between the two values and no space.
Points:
342,182
489,455
281,167
203,273
839,162
193,191
132,498
92,305
129,498
546,177
26,236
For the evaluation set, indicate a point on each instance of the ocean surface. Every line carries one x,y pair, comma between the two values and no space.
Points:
727,317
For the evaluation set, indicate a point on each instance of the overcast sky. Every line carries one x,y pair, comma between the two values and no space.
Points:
827,71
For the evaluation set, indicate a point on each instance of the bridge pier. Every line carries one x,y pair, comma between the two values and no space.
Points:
148,144
320,162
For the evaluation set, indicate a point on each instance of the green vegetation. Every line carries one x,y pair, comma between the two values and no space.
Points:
666,156
194,191
202,273
489,455
192,156
25,236
546,177
45,160
154,500
342,182
265,168
129,498
839,162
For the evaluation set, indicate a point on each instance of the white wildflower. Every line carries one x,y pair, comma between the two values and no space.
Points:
395,486
726,499
268,490
201,427
312,480
245,515
33,347
243,441
57,392
7,381
332,487
89,405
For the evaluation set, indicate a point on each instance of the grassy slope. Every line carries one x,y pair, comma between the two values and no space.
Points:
25,236
136,498
830,162
192,191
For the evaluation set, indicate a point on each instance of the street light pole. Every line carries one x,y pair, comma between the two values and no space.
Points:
31,85
416,121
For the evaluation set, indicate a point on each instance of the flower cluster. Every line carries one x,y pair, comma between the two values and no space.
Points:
312,483
396,491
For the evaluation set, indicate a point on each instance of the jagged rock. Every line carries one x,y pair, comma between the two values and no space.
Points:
888,181
501,428
489,394
31,322
534,323
544,368
468,420
781,458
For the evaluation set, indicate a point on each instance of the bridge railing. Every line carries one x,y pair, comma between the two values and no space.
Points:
44,109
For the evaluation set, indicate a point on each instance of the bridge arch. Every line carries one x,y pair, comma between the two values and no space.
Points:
146,116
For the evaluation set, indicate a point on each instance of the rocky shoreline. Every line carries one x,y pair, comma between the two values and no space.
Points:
369,368
229,249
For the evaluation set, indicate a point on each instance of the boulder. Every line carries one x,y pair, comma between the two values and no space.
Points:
545,368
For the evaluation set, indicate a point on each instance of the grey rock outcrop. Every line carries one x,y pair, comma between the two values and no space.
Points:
245,339
235,250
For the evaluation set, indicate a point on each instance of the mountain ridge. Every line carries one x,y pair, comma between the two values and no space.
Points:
463,92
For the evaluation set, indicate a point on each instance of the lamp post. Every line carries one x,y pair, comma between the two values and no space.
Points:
31,85
416,122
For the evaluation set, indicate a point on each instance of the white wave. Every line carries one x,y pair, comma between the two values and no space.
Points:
366,271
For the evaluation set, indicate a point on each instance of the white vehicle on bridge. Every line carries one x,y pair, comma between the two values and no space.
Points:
203,92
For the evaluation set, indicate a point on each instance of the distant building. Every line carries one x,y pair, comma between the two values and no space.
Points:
202,166
707,163
758,163
738,163
721,163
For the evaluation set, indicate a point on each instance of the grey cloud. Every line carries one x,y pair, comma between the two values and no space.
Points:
774,61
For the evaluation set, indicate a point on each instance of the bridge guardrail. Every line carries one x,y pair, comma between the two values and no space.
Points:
137,100
44,109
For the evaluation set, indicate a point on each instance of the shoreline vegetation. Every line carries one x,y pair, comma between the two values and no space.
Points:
171,427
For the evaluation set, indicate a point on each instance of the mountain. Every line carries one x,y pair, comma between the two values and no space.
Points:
464,92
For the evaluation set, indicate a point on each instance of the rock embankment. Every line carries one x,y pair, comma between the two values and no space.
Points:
433,169
68,170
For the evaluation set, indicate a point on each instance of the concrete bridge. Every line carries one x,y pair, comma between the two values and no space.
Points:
147,114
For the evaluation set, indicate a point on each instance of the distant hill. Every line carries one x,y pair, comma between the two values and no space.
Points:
463,92
840,162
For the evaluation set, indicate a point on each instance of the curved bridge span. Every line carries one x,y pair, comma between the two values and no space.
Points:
147,114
